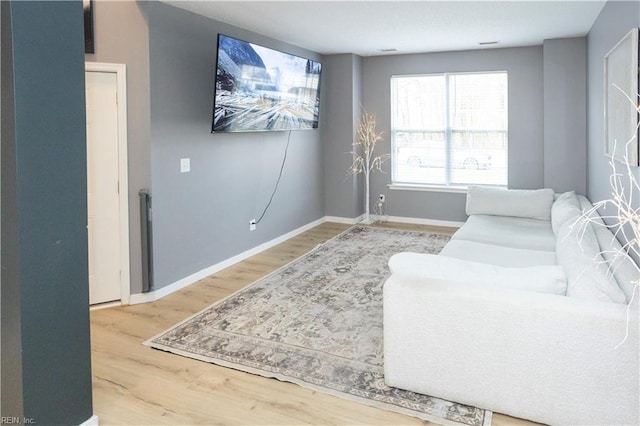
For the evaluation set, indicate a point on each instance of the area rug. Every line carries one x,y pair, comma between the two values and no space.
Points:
317,322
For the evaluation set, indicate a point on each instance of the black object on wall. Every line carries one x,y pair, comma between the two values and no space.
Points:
146,235
44,236
87,6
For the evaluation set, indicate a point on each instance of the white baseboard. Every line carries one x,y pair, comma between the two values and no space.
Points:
184,282
106,305
398,219
419,221
91,421
345,220
193,278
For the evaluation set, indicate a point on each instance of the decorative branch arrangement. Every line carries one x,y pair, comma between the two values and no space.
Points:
363,155
625,222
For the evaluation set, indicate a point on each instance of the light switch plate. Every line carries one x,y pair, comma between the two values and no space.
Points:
185,165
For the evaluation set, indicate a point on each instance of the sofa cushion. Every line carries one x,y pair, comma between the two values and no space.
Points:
578,253
505,231
539,279
564,209
498,255
533,204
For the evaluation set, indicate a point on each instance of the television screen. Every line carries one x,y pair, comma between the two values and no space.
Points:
261,89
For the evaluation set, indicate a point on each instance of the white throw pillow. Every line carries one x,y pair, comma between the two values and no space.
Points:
540,279
566,208
535,204
578,253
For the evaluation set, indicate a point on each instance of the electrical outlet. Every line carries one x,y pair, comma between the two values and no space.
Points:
252,225
381,198
185,165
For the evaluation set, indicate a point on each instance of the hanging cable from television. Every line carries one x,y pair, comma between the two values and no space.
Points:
275,188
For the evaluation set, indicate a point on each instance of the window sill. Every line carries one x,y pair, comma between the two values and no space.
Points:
427,188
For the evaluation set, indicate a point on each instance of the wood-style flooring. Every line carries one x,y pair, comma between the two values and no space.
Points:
137,385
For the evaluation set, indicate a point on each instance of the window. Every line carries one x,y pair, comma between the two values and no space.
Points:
449,130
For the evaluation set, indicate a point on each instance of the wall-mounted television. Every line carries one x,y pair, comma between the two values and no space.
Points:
262,89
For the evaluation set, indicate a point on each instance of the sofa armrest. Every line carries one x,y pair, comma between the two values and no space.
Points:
545,357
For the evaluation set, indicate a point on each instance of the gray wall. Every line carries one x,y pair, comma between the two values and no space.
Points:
524,66
565,114
121,36
199,218
341,109
616,19
202,217
357,111
44,221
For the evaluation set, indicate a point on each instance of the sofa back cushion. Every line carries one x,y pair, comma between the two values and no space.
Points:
534,204
578,253
540,279
566,208
508,231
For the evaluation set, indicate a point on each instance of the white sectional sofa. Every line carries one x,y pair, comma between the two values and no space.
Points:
519,314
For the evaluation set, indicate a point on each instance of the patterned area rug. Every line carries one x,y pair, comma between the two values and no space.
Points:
317,322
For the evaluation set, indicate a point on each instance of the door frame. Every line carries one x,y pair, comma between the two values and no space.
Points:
120,70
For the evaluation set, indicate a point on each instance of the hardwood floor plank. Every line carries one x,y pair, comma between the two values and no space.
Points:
136,385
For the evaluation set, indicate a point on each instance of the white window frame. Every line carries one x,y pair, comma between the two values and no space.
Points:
448,187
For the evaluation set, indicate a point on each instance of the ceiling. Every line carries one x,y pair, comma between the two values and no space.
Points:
370,27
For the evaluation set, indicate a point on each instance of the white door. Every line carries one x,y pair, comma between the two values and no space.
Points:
102,187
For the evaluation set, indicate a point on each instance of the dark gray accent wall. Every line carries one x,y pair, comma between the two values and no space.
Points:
526,134
11,333
343,89
202,217
565,114
44,234
616,19
121,36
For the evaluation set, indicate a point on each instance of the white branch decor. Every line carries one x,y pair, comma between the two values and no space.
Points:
625,222
363,155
